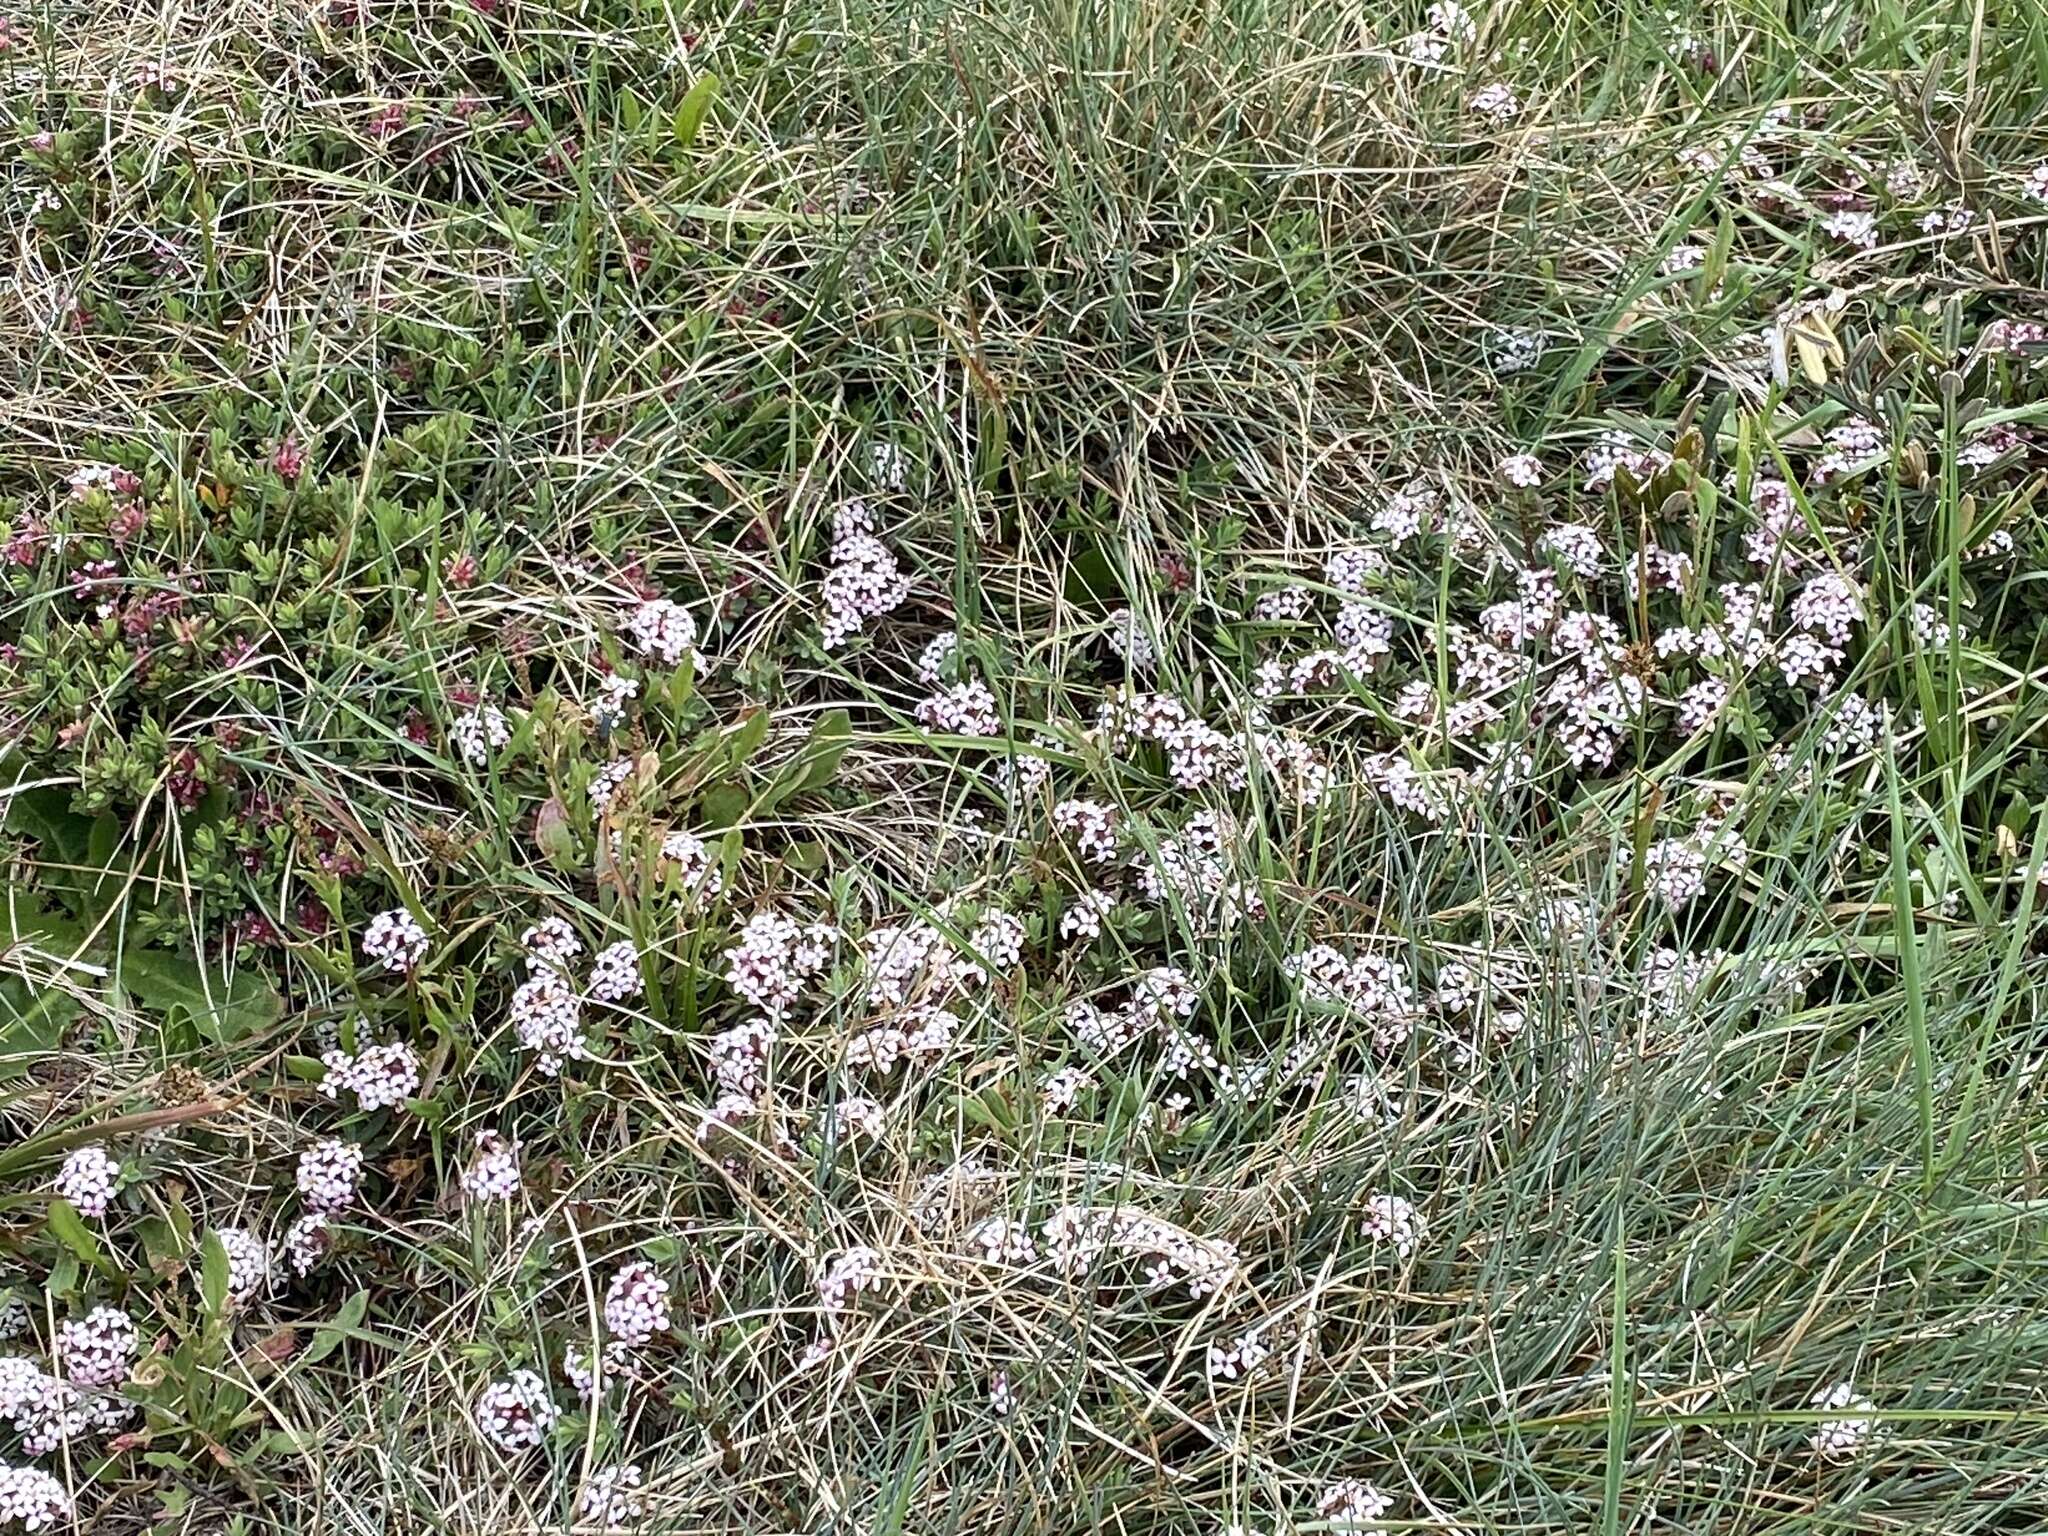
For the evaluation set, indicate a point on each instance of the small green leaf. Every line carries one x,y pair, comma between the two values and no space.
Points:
689,118
213,1274
346,1321
70,1229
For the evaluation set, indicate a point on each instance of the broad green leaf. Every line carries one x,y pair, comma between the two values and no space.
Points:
224,1008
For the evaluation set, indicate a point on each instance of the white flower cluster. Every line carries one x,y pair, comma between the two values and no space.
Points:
1353,1502
1391,1220
48,1412
636,1304
380,1076
919,1034
612,1498
1090,826
1077,1238
1241,1357
1840,1439
615,973
662,630
846,1277
615,692
595,1372
307,1241
87,1179
1160,1001
395,940
515,1414
1128,639
492,1172
865,582
99,1349
1371,988
249,1263
329,1173
32,1499
479,732
1497,102
547,1018
965,709
696,864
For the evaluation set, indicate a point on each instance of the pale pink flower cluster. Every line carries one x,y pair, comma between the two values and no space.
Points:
775,958
516,1413
396,941
663,631
1090,826
87,1179
32,1499
250,1271
307,1241
1391,1220
492,1172
1371,988
611,1498
964,709
380,1076
99,1349
1241,1357
636,1304
1076,1239
547,1019
328,1175
696,864
1497,102
842,1282
615,973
